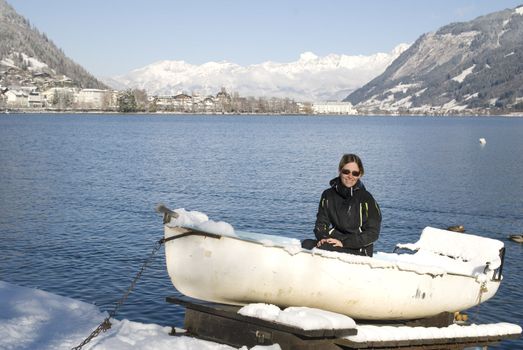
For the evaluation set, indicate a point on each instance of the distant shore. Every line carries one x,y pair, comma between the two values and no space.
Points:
383,114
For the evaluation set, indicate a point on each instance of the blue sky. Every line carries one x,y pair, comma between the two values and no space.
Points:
112,37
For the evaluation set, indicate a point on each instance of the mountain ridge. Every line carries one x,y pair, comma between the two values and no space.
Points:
474,65
309,78
30,57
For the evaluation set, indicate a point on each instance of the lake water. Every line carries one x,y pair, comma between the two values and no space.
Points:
77,192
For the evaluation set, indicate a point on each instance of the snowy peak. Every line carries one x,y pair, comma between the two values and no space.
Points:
307,56
309,78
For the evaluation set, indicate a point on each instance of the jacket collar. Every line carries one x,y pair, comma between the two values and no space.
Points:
342,190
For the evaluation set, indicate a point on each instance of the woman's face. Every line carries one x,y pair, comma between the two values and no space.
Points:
350,174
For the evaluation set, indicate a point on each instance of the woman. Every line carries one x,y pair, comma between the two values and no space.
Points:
348,218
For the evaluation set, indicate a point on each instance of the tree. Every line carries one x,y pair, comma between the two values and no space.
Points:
140,96
62,99
127,102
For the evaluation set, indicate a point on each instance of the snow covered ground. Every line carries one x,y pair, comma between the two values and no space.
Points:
34,319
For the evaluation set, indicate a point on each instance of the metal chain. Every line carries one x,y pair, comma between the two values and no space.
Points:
106,324
482,289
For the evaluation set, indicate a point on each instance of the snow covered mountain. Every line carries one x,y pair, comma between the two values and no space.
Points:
474,66
30,58
310,78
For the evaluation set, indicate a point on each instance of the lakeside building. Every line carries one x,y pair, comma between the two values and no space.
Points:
61,98
71,98
16,99
95,99
333,107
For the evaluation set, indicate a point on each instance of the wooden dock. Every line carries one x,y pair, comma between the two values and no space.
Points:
222,324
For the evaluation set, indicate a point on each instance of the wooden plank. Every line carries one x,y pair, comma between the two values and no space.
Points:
426,344
231,312
221,323
237,333
443,319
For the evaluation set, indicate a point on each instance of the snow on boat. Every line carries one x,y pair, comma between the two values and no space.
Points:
447,271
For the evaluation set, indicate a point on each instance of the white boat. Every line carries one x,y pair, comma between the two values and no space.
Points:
448,272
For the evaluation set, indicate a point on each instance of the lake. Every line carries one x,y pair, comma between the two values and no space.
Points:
77,192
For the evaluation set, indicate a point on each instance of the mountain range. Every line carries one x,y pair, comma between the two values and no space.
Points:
469,66
310,78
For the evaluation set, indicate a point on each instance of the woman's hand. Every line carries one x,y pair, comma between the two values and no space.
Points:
331,241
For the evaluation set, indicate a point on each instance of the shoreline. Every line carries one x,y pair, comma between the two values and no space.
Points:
100,112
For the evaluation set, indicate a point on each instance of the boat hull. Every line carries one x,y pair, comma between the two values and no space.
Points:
235,271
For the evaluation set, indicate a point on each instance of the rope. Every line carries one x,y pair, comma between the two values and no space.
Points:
106,324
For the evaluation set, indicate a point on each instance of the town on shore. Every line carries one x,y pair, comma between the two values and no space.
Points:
73,99
78,100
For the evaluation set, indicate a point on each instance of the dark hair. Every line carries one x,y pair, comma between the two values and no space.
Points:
351,158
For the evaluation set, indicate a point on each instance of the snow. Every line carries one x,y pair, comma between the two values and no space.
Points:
200,221
470,96
308,319
459,78
453,106
386,333
300,317
419,93
309,78
34,319
437,252
519,10
452,252
33,63
8,62
461,246
308,56
400,88
436,48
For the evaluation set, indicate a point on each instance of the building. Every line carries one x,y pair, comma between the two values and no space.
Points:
95,99
16,99
182,102
333,107
35,100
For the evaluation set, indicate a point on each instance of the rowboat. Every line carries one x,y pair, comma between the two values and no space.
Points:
443,271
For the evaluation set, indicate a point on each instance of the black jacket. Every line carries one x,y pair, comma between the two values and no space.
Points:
350,215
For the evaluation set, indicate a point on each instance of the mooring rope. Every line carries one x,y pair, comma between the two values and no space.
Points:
106,324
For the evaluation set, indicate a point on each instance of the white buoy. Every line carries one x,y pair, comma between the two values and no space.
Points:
482,141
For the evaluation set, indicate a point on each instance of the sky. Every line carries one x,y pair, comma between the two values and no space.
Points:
113,37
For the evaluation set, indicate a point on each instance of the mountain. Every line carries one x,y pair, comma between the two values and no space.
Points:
29,58
469,66
310,78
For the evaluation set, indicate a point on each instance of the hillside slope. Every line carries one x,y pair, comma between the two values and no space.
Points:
29,58
469,66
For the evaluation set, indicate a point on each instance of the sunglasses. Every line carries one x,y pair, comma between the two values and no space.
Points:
347,172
